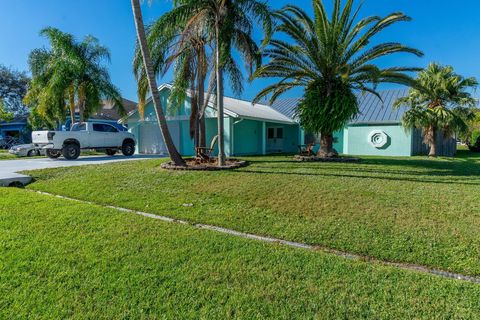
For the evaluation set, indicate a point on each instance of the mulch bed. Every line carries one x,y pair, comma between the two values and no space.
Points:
193,164
319,159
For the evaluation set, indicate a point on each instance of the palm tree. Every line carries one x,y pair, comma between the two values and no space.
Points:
162,122
330,59
70,75
92,82
172,43
228,24
440,101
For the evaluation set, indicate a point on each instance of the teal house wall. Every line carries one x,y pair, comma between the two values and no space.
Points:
243,135
357,142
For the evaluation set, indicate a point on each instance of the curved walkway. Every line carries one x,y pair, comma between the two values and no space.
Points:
9,168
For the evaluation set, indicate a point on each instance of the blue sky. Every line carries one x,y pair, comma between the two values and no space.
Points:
447,31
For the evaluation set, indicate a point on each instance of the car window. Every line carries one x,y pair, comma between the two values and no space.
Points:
102,127
79,127
109,128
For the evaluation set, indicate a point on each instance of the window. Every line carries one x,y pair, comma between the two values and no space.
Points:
79,127
102,127
271,133
279,133
275,133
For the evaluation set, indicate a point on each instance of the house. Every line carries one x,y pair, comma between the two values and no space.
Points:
261,129
107,113
377,129
249,129
15,130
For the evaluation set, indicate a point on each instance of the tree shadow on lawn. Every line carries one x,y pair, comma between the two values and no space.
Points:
458,170
378,177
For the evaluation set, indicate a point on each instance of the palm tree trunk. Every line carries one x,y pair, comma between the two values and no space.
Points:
81,110
201,101
162,122
326,146
219,71
432,141
71,98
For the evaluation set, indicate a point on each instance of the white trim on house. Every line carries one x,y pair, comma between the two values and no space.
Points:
236,108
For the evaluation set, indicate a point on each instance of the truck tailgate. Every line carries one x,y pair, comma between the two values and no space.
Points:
40,137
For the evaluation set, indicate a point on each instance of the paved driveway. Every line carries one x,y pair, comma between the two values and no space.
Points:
9,168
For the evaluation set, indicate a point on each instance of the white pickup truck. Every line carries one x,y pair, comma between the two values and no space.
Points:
87,135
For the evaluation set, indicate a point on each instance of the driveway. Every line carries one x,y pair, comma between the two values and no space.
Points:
9,168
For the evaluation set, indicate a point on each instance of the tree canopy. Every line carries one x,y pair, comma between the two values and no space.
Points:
13,87
330,57
439,102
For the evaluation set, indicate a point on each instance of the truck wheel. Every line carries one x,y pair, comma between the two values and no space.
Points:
71,151
53,154
111,152
128,149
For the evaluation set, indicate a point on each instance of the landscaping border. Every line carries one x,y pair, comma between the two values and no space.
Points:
300,158
229,165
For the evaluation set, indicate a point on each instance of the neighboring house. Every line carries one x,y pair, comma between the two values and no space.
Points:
377,129
107,114
16,129
262,129
249,130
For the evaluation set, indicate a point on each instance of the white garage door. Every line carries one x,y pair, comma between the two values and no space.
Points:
151,140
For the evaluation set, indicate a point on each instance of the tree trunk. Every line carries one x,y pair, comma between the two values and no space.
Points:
326,146
201,100
81,111
71,98
432,141
219,72
152,82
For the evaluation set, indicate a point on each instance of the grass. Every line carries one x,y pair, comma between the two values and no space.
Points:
4,155
410,210
63,259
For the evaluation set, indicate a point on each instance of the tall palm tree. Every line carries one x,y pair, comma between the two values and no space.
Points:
330,58
52,76
440,101
229,26
171,42
162,122
92,82
70,75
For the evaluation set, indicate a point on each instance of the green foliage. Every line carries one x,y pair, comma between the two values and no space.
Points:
69,71
315,109
38,122
184,38
5,115
13,87
440,100
330,54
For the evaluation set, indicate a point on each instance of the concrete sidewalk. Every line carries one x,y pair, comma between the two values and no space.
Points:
9,168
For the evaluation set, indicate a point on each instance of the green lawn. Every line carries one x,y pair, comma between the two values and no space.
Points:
410,210
4,155
63,259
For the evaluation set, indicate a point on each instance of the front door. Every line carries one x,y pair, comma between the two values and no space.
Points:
275,139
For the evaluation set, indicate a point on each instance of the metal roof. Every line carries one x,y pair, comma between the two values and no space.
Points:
244,109
372,109
237,108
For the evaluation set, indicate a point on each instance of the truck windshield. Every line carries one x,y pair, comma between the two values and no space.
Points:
79,127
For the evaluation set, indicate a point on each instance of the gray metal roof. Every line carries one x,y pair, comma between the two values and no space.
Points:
372,109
